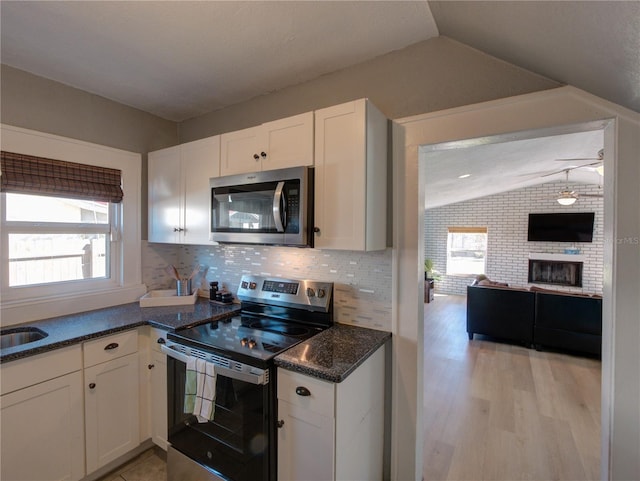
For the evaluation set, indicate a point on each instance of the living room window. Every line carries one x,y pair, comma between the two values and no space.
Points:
466,250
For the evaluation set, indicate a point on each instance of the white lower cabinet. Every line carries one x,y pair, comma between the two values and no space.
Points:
111,390
158,390
42,436
46,440
332,431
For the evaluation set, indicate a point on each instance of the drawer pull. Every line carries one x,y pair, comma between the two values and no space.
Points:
161,340
151,366
280,423
109,347
302,391
92,385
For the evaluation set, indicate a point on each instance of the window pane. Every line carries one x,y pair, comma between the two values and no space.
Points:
38,208
466,253
45,258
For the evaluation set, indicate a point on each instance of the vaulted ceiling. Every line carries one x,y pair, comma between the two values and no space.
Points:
181,59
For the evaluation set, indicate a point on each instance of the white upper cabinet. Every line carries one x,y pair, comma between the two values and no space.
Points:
351,177
273,145
179,193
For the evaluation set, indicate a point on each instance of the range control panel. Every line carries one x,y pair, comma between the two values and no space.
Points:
301,294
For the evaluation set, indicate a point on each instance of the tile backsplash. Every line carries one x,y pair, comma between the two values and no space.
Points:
362,280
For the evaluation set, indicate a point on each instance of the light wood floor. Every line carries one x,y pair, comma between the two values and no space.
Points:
495,411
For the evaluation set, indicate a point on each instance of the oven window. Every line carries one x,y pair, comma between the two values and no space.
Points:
236,443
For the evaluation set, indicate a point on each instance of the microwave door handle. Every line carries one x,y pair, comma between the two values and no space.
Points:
278,212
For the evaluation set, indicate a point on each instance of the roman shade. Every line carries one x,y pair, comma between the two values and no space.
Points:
467,230
26,174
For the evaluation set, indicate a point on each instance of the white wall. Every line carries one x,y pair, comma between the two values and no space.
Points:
431,75
506,217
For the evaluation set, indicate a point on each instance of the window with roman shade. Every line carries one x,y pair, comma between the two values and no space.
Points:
26,174
58,220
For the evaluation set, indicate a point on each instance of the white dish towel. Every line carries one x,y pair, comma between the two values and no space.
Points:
200,389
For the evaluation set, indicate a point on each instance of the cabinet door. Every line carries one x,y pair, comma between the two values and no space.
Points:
351,177
111,410
165,200
340,177
305,444
42,431
200,160
159,399
238,152
287,142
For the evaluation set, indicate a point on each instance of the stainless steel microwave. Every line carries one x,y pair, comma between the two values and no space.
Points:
270,207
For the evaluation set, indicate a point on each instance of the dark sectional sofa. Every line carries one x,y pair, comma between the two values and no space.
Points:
539,318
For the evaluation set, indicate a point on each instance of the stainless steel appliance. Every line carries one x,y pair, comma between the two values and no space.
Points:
239,444
271,207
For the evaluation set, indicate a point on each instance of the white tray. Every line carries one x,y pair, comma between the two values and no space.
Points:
167,297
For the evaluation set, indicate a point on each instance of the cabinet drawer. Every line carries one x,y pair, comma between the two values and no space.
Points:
32,370
321,398
155,337
110,347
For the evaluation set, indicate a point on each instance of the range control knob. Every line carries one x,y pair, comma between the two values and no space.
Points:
252,343
244,341
252,285
321,293
310,292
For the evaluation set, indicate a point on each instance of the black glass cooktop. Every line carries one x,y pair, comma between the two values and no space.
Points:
246,337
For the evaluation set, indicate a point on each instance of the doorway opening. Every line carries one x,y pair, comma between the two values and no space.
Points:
494,401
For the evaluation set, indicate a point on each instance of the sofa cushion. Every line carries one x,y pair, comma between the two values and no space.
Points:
570,313
501,312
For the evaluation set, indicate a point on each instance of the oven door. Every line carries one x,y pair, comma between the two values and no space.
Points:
239,444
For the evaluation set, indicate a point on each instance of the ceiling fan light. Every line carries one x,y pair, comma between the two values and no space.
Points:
566,200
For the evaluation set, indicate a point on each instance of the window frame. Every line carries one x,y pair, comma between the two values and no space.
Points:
465,230
124,287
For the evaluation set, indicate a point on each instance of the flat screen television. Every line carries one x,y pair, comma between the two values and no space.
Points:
561,227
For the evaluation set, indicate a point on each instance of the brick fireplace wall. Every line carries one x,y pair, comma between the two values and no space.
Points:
506,215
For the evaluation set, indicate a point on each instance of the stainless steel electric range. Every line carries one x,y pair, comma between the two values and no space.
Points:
239,443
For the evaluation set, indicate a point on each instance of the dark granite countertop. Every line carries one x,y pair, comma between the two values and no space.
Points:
333,354
67,330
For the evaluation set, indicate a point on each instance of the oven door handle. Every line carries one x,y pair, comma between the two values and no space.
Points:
258,379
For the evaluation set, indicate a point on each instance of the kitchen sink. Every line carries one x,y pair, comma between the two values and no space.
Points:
16,336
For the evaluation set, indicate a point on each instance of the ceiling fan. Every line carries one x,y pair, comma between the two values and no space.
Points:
569,197
599,167
580,159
